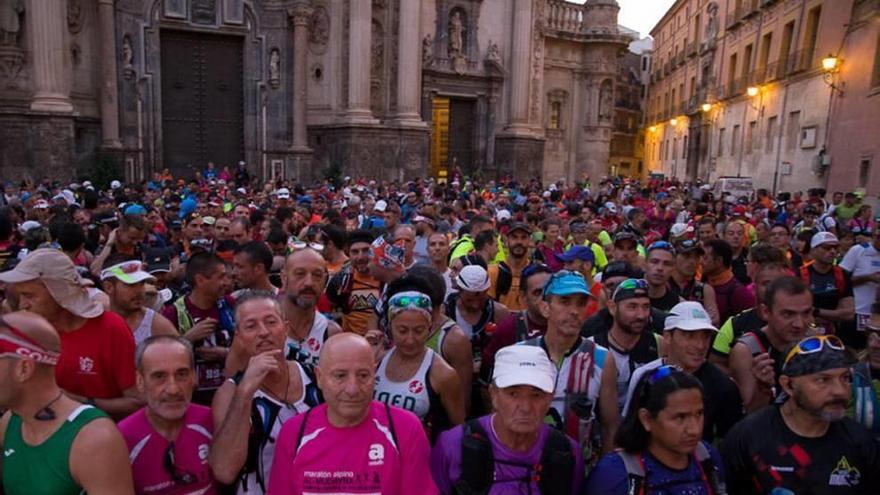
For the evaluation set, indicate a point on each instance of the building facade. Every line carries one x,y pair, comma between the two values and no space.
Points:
628,138
303,89
739,89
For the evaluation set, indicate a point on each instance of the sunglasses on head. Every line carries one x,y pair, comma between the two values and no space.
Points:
661,245
410,301
812,345
633,284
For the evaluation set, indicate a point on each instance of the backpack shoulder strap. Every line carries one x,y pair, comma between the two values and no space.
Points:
557,463
839,281
522,326
635,472
805,273
302,430
391,426
477,460
753,343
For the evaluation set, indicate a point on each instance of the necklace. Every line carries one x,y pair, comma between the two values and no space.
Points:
46,413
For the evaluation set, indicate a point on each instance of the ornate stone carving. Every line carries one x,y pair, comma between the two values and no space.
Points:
203,11
712,23
11,62
11,12
127,57
300,14
493,56
427,50
537,76
377,67
606,101
274,68
74,16
456,33
319,33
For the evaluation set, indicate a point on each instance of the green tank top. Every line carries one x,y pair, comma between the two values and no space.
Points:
43,469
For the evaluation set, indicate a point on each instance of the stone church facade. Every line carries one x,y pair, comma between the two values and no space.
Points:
301,89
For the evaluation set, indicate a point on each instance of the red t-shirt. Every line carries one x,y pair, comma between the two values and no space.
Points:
97,360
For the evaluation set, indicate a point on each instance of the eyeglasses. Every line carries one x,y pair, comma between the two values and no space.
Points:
813,345
177,475
662,245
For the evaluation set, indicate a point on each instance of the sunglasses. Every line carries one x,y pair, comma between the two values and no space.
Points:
410,301
812,345
633,284
299,245
662,372
177,475
662,245
534,268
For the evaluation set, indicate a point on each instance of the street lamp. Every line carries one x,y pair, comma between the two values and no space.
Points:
707,107
830,62
752,91
831,66
673,121
652,129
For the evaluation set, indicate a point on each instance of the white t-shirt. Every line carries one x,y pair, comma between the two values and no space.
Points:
861,260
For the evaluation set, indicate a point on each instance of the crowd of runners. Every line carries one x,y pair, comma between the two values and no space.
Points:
222,335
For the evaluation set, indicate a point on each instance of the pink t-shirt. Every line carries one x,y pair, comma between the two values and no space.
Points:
147,454
362,460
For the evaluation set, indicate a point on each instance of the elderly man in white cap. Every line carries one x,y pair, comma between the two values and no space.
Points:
689,333
125,284
477,315
511,450
97,364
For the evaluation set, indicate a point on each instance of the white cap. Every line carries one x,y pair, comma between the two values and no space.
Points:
473,278
823,238
546,194
689,316
283,193
241,190
524,365
380,205
115,184
680,229
29,225
611,207
502,215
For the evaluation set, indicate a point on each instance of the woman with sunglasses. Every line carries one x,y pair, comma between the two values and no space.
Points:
412,376
661,451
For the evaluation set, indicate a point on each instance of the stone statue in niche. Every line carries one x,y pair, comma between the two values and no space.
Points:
456,34
427,50
712,25
74,16
127,57
319,33
10,21
274,68
494,53
606,102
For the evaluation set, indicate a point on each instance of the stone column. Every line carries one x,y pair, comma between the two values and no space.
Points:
47,23
300,15
520,62
109,91
409,70
359,57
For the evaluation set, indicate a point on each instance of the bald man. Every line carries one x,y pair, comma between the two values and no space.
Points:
367,446
51,443
304,279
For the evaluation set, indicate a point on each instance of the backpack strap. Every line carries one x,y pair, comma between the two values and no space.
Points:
635,472
753,343
522,326
839,281
477,461
504,280
554,474
391,426
302,430
709,470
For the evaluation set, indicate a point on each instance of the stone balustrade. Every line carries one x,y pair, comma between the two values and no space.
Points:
565,16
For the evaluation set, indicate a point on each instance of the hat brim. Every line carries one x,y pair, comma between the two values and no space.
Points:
694,326
480,288
17,276
543,383
570,291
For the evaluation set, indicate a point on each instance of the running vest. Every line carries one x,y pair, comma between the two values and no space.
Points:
307,351
267,416
436,339
43,469
645,351
145,327
411,394
637,483
553,474
573,408
476,333
866,406
210,374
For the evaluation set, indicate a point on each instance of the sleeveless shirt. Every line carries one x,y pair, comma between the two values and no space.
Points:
411,394
145,327
308,350
43,469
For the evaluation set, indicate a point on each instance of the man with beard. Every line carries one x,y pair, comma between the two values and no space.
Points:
806,444
684,278
251,266
353,291
732,296
757,357
613,274
505,276
630,339
305,276
735,235
425,227
170,426
124,284
659,266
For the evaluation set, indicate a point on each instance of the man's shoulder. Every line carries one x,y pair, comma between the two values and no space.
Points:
108,322
756,425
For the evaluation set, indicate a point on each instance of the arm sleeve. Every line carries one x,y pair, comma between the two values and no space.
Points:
415,460
281,475
608,477
724,340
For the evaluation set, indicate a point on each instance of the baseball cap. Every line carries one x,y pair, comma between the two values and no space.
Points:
519,226
816,354
681,229
631,288
115,184
209,220
473,278
282,193
611,208
129,272
158,260
135,209
823,238
524,365
58,274
689,316
28,225
619,269
502,215
688,246
578,252
625,236
811,209
566,283
380,205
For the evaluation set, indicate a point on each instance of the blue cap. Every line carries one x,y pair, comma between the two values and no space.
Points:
135,210
578,252
566,283
187,206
